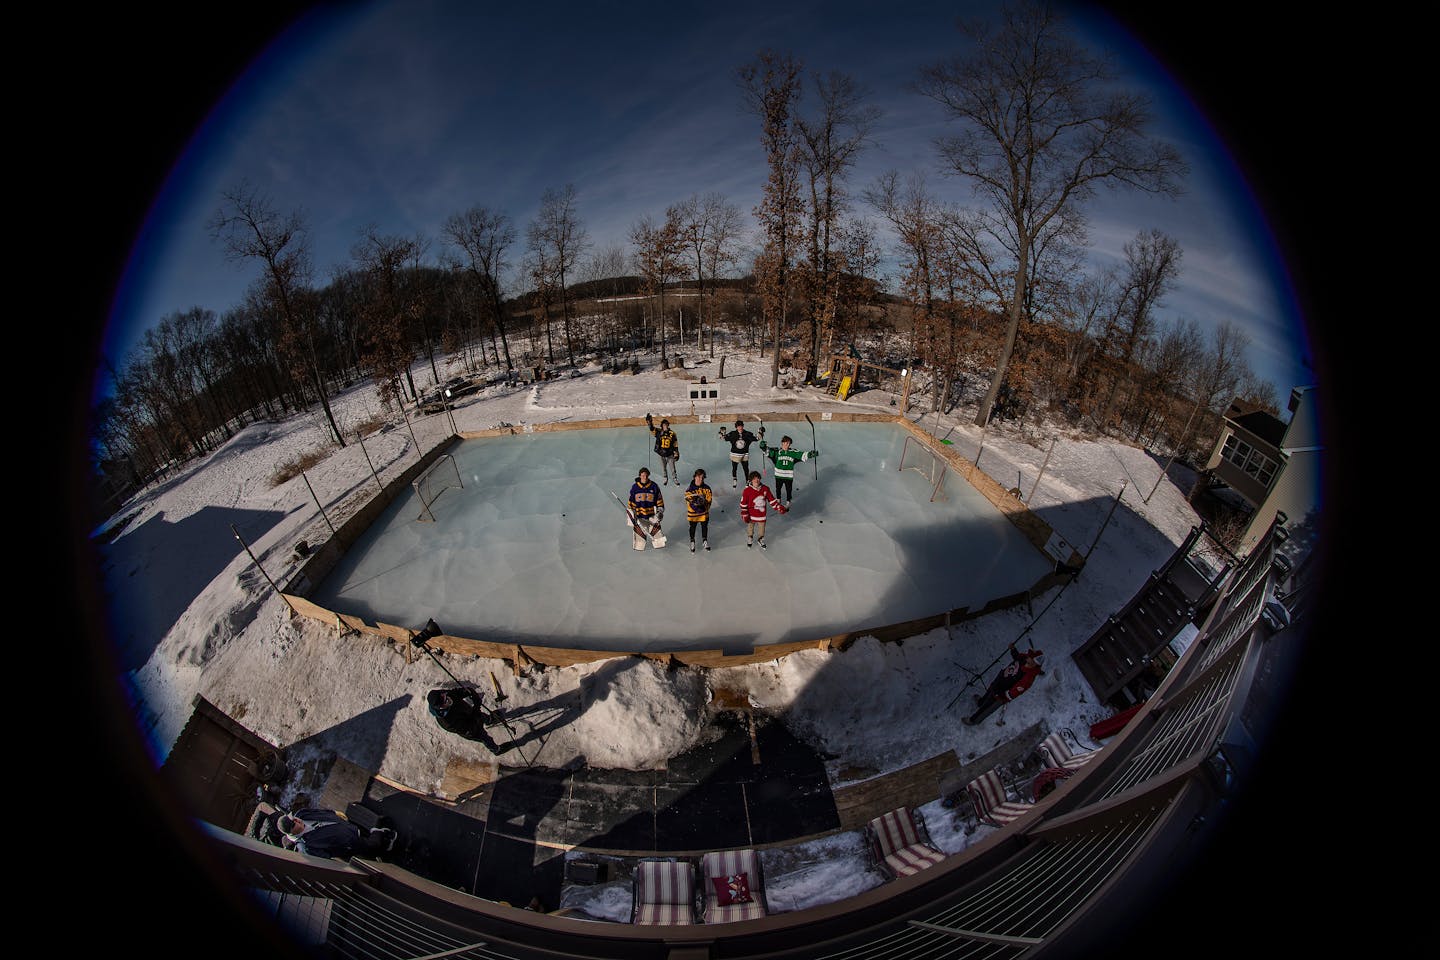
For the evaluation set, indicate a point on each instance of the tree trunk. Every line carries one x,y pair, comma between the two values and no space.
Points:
982,416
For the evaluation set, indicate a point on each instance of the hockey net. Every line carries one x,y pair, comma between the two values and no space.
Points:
440,476
929,464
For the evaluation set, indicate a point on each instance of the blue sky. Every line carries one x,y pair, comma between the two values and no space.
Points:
401,114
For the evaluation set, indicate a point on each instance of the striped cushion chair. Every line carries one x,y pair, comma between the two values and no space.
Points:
1057,753
721,877
897,845
664,892
987,793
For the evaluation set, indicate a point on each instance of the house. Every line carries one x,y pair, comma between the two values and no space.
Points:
1271,464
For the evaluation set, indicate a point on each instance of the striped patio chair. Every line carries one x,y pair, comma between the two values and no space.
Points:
987,793
732,875
1057,753
897,845
664,892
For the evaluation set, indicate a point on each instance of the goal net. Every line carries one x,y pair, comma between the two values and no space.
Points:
929,464
435,480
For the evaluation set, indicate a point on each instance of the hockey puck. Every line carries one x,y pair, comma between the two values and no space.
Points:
822,521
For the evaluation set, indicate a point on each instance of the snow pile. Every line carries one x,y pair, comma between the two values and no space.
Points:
637,714
818,872
952,829
603,901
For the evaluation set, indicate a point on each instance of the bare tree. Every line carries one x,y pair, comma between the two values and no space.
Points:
385,309
538,268
771,88
830,142
708,227
658,257
559,239
603,272
1258,392
251,229
915,215
1152,262
485,236
1223,368
1166,360
859,282
1043,126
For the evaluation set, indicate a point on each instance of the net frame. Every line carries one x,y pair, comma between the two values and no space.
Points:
929,465
427,481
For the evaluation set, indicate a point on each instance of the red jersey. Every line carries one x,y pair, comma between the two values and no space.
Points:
754,504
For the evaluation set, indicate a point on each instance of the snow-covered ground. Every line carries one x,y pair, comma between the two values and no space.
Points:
194,615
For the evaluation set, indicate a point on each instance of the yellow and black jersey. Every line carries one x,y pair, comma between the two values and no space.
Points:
697,502
666,443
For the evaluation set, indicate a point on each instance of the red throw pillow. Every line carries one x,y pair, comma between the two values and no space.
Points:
730,890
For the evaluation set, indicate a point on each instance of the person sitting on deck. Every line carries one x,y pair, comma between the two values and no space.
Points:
325,833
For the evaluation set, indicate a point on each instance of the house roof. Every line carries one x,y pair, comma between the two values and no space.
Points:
1263,425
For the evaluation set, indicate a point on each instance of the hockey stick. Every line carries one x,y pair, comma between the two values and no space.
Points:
976,676
763,456
634,524
814,445
657,539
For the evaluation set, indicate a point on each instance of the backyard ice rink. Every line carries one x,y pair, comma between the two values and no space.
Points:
534,549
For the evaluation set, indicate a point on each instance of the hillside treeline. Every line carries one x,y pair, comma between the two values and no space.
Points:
995,303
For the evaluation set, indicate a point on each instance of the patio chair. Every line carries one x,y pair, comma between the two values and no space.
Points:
733,886
1057,753
664,892
898,844
987,793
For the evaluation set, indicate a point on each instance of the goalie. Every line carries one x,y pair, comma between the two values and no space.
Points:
647,505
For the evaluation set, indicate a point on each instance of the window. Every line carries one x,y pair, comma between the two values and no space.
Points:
1247,458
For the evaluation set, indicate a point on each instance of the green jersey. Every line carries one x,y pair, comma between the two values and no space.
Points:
785,459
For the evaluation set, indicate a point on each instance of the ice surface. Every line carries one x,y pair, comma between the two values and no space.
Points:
535,550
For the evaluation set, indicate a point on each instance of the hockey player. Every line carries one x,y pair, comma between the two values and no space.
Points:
785,459
739,440
667,447
1012,681
646,502
698,497
755,504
